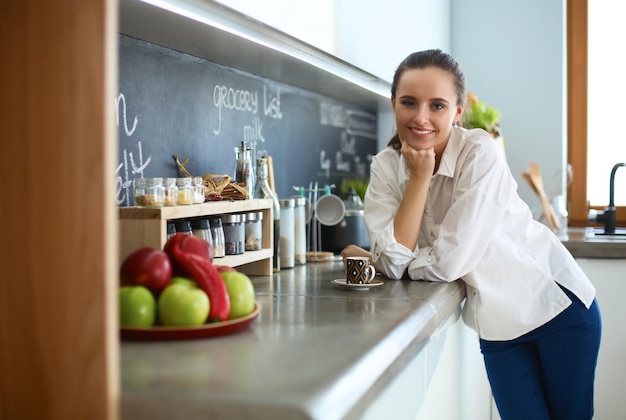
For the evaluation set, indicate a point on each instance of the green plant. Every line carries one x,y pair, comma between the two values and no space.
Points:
479,115
359,185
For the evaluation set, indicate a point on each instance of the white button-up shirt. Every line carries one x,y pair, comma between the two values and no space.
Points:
475,227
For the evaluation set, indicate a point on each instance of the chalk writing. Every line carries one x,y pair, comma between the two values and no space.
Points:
271,104
325,163
254,131
233,99
122,99
332,114
361,124
347,144
124,183
124,172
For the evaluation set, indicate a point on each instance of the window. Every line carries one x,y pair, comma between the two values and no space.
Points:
591,189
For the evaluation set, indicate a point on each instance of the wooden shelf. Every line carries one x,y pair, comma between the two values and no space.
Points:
145,226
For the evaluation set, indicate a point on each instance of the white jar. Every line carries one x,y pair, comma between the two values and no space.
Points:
299,218
254,231
287,245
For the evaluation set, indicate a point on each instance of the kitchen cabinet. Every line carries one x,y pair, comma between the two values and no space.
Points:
211,31
446,380
144,226
608,277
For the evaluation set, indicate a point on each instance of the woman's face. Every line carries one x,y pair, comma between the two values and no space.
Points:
425,106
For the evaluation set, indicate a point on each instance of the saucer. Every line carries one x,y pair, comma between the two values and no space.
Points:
351,286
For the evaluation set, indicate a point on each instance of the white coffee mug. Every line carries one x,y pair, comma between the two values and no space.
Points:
329,210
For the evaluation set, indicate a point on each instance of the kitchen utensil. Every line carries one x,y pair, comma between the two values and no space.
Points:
352,286
359,270
544,204
350,231
534,173
329,210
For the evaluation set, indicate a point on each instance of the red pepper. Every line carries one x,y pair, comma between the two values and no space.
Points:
189,244
201,270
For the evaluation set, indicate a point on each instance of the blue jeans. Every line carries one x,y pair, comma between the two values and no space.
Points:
549,372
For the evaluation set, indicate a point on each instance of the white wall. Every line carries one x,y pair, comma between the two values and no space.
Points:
377,39
514,58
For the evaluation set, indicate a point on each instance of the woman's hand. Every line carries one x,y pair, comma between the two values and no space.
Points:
355,251
421,163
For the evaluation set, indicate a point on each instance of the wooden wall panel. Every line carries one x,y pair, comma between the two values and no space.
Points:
58,263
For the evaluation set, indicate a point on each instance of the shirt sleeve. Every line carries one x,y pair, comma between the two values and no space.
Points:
382,201
483,190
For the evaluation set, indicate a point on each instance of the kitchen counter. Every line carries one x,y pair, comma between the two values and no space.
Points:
316,351
581,246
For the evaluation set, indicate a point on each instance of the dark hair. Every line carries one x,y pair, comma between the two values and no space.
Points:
424,59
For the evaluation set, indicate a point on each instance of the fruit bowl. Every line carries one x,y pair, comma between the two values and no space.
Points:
159,333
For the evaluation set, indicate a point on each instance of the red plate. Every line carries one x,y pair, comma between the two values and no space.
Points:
190,333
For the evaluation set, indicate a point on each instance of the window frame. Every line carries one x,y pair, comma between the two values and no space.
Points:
577,56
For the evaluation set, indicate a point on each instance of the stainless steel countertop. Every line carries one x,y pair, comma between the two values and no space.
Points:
315,351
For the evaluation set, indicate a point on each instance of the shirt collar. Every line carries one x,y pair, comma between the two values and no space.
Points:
447,165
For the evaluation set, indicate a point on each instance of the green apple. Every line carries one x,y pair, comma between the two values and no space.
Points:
183,304
137,306
240,292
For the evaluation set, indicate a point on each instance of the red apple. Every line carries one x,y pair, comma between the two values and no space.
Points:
149,267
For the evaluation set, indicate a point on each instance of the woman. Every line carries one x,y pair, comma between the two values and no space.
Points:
442,205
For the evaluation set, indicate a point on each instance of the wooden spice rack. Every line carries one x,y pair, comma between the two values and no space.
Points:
144,226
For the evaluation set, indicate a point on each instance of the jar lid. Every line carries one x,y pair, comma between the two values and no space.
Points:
202,223
215,221
254,216
300,201
139,182
231,218
147,182
182,182
183,225
288,202
171,228
169,181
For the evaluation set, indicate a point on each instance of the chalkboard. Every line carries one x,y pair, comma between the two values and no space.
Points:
170,103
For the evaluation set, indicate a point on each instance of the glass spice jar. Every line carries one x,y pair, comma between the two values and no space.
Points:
217,234
185,190
171,191
149,192
244,172
183,226
200,228
198,190
171,229
254,231
234,233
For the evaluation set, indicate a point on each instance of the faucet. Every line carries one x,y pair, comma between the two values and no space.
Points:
607,217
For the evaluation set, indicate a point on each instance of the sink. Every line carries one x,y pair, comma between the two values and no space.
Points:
600,235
